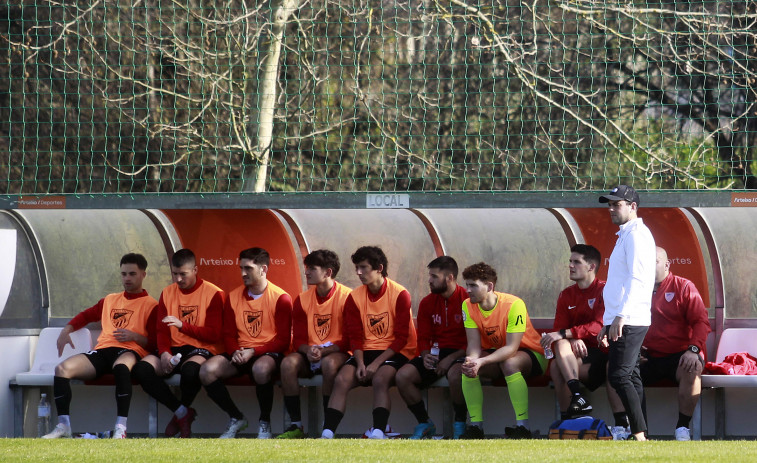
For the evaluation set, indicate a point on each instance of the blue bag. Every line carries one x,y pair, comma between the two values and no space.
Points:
585,427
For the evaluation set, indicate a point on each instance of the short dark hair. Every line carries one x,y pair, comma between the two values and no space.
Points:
374,255
323,258
590,253
482,272
258,256
134,258
445,264
183,257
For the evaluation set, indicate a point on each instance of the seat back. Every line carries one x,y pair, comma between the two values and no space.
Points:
737,340
46,356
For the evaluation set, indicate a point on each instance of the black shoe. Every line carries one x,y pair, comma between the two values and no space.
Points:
472,432
517,432
579,406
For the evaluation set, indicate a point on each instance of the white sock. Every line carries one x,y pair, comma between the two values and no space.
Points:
181,412
121,421
65,419
523,423
297,423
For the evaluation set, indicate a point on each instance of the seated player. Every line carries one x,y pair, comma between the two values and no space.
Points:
379,325
440,321
317,335
502,342
257,325
127,318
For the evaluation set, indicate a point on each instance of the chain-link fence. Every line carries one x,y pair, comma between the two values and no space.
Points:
140,96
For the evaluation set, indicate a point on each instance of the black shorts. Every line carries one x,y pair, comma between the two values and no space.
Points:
396,361
428,377
309,372
655,369
535,365
597,361
103,359
187,352
246,369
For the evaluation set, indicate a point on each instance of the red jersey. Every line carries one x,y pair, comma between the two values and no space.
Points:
317,320
134,312
381,321
441,320
581,311
679,318
199,308
264,324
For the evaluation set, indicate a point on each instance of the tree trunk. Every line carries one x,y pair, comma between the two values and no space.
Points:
282,11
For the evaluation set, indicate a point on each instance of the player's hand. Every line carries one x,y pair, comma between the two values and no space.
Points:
173,321
314,354
430,361
360,372
165,362
443,366
242,356
549,338
579,348
370,370
470,367
65,338
690,362
602,337
616,329
124,335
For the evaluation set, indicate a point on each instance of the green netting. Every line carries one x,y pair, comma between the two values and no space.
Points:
102,96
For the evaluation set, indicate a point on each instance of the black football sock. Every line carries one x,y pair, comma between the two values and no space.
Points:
264,392
461,412
220,395
683,421
380,418
154,386
331,419
292,404
62,393
575,386
419,411
190,383
621,419
122,375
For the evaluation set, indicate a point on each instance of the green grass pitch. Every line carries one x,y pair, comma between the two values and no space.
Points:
362,450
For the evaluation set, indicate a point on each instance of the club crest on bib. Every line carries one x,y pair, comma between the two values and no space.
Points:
669,296
322,325
493,333
120,317
378,324
188,314
591,302
253,322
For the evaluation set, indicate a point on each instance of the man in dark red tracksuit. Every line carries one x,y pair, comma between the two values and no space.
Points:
578,356
674,345
440,321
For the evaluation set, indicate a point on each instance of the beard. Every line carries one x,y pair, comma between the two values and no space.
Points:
439,289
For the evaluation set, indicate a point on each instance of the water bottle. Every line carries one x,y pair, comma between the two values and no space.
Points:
43,416
548,354
175,360
435,352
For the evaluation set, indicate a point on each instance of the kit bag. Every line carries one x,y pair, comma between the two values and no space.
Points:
585,427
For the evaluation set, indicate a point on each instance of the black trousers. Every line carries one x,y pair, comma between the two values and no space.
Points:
624,376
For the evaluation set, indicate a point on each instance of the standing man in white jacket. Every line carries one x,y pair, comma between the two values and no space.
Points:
628,296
